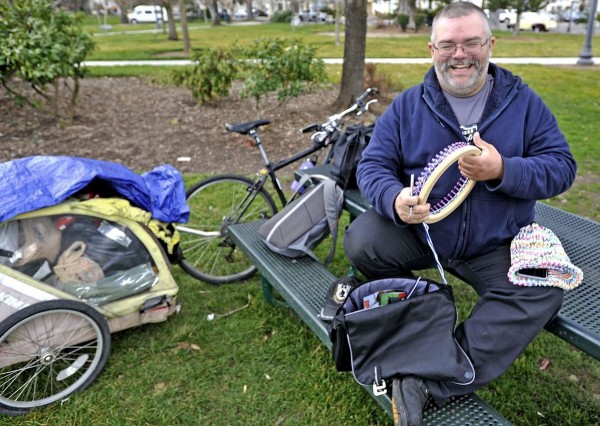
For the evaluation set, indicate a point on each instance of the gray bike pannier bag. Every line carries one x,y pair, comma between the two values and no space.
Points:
305,222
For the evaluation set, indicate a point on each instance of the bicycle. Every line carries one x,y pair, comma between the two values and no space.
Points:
220,201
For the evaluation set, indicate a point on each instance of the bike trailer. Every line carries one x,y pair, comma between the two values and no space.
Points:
70,275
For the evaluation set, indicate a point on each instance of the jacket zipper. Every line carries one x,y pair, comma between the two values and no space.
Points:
459,247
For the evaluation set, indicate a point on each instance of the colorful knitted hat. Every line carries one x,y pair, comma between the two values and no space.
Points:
537,247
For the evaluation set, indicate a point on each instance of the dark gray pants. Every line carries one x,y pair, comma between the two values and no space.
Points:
504,321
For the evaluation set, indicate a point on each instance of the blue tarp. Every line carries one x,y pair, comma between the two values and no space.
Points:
31,183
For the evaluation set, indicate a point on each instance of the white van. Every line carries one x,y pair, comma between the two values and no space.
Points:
145,14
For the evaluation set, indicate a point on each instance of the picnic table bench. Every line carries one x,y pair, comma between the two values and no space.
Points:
302,283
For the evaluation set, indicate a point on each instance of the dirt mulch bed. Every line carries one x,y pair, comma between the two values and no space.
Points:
142,125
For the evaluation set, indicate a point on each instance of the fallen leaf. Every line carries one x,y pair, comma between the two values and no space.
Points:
188,346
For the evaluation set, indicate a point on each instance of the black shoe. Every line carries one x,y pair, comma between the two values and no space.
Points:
398,407
415,397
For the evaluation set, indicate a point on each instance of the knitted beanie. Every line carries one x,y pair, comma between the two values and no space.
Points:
537,247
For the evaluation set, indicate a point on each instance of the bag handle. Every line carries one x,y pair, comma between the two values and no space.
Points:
332,214
303,179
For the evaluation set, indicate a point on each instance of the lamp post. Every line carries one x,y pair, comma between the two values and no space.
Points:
585,57
570,18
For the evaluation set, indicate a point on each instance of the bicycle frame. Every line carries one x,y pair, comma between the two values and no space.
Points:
268,172
235,199
322,139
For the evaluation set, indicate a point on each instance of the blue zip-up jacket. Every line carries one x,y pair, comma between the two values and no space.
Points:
420,123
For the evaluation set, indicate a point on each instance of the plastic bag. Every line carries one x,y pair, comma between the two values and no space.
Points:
39,240
116,286
112,246
74,265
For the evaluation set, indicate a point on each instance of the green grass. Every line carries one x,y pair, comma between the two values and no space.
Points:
262,365
128,44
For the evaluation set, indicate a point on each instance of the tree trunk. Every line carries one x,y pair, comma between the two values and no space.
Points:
353,69
184,26
171,24
123,7
250,16
495,19
403,7
517,28
214,12
294,6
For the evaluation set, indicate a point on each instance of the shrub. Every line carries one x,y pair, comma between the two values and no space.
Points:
420,18
42,46
403,19
211,75
285,66
282,16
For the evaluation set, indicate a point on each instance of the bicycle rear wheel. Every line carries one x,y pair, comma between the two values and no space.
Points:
215,203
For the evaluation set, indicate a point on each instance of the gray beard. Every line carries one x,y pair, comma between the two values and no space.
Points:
461,89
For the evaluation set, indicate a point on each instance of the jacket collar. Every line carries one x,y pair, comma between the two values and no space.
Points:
504,81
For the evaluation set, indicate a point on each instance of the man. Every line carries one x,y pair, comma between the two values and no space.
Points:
524,158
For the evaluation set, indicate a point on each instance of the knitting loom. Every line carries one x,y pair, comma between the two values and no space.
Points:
434,170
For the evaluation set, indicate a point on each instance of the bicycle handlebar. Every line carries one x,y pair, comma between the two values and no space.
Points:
325,130
311,128
361,99
359,104
331,124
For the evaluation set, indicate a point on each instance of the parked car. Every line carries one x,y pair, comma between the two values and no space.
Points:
146,14
535,21
240,14
508,15
575,16
505,16
259,12
314,16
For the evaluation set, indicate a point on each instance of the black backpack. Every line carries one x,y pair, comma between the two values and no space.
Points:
347,152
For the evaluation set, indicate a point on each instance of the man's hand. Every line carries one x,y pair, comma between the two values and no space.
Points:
407,208
487,166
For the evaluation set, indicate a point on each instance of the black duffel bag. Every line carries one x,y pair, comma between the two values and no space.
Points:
413,334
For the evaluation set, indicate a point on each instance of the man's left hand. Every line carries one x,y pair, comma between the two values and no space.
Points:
487,166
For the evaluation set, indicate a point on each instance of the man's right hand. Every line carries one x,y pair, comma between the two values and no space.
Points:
407,208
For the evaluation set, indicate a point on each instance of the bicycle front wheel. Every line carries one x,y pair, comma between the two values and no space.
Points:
215,203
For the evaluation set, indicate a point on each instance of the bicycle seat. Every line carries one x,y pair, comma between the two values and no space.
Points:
245,128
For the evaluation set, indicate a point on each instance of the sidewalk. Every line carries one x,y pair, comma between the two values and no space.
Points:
179,62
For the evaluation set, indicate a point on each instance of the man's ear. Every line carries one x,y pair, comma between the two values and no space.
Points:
492,42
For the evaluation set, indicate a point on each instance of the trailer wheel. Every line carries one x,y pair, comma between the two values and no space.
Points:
48,351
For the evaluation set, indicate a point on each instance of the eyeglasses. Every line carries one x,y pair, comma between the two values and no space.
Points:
449,49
